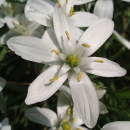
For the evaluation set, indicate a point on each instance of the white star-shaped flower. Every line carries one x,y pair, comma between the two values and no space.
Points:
68,59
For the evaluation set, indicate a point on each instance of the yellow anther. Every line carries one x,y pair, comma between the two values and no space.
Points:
68,111
78,129
59,3
56,52
68,35
71,11
79,76
66,1
20,22
55,78
73,120
63,120
13,23
100,61
86,45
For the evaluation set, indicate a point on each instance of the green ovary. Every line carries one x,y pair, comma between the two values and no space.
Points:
65,126
72,60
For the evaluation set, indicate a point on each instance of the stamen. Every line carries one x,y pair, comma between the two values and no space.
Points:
68,35
86,45
55,78
79,76
58,2
66,1
71,11
20,22
68,111
73,120
78,129
63,120
100,61
56,52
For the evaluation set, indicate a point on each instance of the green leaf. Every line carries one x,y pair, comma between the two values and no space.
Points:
125,93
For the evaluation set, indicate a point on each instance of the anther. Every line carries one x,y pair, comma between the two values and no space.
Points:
68,35
59,3
100,61
68,111
20,22
78,129
56,52
66,1
63,120
71,11
79,76
13,23
86,45
55,78
73,120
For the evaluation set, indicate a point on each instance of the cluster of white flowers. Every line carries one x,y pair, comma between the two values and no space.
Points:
66,50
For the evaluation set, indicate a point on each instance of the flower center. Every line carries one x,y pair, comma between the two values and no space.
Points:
72,60
65,126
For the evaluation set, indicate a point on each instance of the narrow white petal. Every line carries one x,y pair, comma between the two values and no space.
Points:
96,35
83,19
106,69
41,88
125,42
43,116
40,18
33,49
43,6
8,127
104,9
79,33
80,2
126,0
63,24
118,125
67,5
103,109
65,68
1,24
5,122
2,83
85,99
63,104
100,93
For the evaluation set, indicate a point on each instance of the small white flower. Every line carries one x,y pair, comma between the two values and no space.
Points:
64,119
68,59
118,125
105,9
4,125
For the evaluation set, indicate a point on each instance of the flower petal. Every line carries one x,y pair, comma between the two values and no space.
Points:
33,49
80,2
43,116
43,6
83,19
2,1
103,109
85,99
100,93
1,24
63,25
8,127
63,104
118,125
125,42
106,69
96,35
41,88
2,83
40,18
79,33
104,9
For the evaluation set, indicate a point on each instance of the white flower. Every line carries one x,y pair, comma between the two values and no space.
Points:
65,120
20,26
68,59
104,9
4,125
118,125
1,24
42,11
